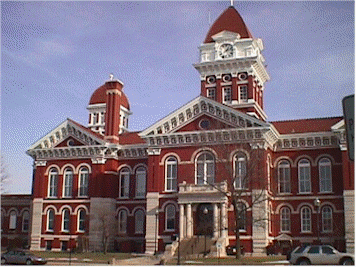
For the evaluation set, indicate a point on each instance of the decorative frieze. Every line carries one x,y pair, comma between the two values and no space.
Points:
304,141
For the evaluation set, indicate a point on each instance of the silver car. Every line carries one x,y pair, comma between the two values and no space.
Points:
21,257
320,255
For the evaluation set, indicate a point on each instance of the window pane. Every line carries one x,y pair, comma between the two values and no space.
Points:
13,219
139,217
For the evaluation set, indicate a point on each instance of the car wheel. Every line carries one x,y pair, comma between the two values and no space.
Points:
3,261
347,262
304,262
28,262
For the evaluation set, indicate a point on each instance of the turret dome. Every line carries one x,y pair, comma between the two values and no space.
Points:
229,20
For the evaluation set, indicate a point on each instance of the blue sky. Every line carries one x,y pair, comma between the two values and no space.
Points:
55,54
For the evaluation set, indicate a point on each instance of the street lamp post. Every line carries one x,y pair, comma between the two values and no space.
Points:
205,211
317,203
156,217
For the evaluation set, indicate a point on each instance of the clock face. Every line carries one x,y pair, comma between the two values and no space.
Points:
226,51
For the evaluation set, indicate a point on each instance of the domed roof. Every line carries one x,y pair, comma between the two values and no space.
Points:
99,97
229,20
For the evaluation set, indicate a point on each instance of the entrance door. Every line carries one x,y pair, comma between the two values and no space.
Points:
205,220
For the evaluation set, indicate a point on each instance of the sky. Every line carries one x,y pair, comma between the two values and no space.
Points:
55,54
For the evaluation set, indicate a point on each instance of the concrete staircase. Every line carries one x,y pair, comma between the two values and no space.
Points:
195,247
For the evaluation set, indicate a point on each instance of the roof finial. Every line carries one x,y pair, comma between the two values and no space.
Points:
111,76
232,2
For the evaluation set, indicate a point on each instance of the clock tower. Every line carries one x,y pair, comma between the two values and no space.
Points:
231,66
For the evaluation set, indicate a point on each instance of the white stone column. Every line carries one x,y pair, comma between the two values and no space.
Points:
349,210
181,221
260,227
189,221
224,230
36,226
216,220
152,222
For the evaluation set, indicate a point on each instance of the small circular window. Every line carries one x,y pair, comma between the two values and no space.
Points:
227,78
204,124
242,76
70,142
210,79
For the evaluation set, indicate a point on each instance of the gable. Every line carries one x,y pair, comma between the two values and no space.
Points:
188,114
70,141
69,129
204,122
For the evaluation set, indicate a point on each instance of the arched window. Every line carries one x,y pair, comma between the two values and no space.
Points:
205,169
170,217
141,182
124,183
285,219
25,221
139,221
68,182
53,182
241,213
304,176
325,175
50,220
305,216
327,219
83,182
171,174
284,177
81,220
122,222
13,220
240,180
65,220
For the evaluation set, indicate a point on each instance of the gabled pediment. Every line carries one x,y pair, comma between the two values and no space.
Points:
68,133
190,113
338,126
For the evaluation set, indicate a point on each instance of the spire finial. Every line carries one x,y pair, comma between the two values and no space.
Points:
111,77
232,2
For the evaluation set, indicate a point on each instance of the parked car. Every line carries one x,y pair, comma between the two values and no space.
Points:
319,255
21,257
231,250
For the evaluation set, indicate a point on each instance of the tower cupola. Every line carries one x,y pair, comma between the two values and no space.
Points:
109,110
231,65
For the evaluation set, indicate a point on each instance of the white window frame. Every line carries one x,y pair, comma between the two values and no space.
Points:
25,221
139,221
83,184
65,220
13,220
124,183
304,176
227,94
50,220
122,222
170,216
171,174
243,93
206,164
305,220
81,220
141,182
211,93
327,219
284,177
240,170
325,163
53,183
285,220
68,182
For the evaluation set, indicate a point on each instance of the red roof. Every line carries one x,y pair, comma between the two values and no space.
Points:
99,97
306,125
229,20
130,138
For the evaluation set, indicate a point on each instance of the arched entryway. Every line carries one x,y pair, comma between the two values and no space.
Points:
204,220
